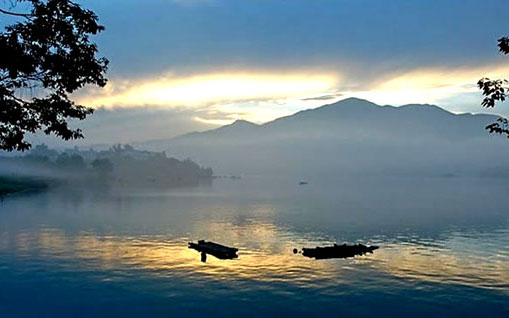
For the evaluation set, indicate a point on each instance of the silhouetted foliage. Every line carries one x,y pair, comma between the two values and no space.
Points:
494,91
48,53
503,45
499,127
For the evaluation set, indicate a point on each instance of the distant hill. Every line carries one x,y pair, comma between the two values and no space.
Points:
120,165
352,136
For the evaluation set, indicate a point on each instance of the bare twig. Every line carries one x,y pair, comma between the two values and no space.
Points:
24,15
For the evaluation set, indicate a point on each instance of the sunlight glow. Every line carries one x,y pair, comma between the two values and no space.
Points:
218,122
428,85
203,90
272,261
221,98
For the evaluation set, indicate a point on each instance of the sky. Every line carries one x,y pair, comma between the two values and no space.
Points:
184,65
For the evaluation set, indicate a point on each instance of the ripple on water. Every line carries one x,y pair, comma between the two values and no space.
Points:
475,259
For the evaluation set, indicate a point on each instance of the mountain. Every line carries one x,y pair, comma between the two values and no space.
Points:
352,136
238,127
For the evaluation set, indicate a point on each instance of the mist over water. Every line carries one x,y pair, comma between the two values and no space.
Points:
352,137
444,248
219,158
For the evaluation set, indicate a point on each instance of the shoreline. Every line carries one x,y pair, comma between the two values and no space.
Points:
10,185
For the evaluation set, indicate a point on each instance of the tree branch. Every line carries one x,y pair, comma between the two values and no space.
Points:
24,15
19,100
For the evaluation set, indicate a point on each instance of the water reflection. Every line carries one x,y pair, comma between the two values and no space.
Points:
473,259
439,244
267,256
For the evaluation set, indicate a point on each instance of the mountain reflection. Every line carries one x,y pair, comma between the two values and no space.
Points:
265,254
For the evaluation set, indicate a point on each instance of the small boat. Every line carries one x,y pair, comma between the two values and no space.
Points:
215,249
337,251
303,182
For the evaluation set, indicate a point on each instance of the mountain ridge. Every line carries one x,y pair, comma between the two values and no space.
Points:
354,102
352,135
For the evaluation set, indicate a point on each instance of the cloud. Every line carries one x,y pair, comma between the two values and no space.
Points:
208,89
427,85
324,97
127,125
216,122
204,100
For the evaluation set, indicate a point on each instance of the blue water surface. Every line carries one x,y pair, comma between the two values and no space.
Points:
111,251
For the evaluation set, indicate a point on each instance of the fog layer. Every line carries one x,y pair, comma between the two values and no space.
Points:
351,137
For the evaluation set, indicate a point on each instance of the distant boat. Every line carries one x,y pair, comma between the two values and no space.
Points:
303,182
337,251
215,249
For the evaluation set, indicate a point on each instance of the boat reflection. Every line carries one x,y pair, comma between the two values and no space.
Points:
217,250
266,256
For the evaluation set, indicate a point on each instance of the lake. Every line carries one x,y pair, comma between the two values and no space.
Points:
444,249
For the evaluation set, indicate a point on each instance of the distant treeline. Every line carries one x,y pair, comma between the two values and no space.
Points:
10,185
121,164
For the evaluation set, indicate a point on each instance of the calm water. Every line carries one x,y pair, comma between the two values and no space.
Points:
444,249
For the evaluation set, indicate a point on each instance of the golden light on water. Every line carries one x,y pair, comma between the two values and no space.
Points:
265,255
426,264
269,262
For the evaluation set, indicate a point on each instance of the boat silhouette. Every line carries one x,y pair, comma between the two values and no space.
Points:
214,249
337,251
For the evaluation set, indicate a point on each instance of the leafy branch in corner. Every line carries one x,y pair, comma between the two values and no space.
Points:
48,55
495,91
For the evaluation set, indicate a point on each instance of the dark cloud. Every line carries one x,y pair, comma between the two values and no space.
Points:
364,41
122,125
323,97
363,38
